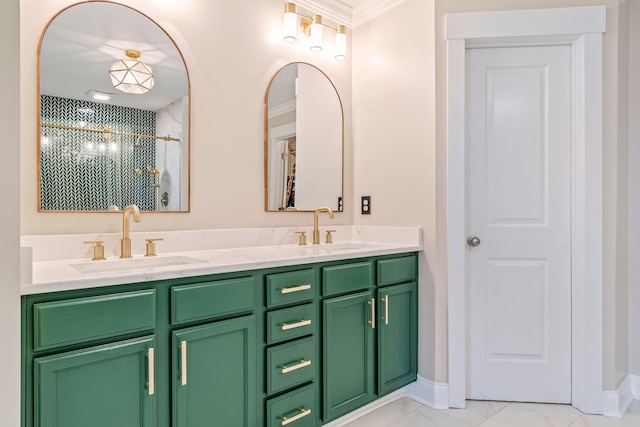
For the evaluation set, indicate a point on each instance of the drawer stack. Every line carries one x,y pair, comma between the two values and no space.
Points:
292,348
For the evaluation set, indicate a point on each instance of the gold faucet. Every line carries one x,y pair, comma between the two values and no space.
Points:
125,242
316,231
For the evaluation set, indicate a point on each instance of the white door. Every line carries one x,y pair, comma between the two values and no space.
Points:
519,206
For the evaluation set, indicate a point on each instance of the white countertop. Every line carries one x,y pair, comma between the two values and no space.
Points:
79,273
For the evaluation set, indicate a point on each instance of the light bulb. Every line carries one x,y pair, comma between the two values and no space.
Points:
340,43
289,23
316,34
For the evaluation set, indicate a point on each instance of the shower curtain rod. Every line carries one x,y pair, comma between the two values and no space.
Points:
107,132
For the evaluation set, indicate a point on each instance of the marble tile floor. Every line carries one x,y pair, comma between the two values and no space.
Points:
405,412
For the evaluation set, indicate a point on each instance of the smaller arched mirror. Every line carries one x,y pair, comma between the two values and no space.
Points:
109,138
303,141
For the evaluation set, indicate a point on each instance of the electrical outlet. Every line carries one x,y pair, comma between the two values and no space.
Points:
365,205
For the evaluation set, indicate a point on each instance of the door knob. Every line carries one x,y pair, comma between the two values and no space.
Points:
473,241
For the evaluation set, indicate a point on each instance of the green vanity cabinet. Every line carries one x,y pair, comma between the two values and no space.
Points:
214,374
296,346
102,386
348,353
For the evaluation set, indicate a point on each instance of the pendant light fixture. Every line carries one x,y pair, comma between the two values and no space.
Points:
131,75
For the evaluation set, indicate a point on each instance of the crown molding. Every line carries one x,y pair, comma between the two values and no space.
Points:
373,9
330,9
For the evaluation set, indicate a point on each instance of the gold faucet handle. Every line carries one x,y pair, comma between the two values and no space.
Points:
98,249
329,238
151,246
303,238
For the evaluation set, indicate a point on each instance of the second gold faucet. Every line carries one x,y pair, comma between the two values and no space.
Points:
125,242
316,230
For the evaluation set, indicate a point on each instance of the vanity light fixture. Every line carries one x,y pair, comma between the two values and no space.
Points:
131,75
313,27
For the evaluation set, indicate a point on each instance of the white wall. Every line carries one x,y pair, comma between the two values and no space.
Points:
10,223
232,49
395,152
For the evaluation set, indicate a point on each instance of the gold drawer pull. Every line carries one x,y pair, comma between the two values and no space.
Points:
295,289
301,323
303,413
372,322
151,383
183,356
302,364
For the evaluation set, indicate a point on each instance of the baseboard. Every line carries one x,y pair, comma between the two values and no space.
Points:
615,403
378,403
429,393
635,386
433,395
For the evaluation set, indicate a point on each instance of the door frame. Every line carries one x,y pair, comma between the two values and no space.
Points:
581,28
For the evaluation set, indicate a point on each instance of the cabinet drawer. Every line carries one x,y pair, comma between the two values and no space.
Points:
291,323
290,287
396,270
340,279
290,364
73,321
212,299
294,409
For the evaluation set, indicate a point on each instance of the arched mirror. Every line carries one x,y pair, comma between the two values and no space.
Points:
114,113
303,141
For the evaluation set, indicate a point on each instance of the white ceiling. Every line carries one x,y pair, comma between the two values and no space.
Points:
83,42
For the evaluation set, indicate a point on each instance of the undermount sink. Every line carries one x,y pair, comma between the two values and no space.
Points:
128,264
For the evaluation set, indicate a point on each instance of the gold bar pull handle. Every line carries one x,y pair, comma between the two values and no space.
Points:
372,322
295,289
386,309
303,413
303,363
301,323
183,358
151,383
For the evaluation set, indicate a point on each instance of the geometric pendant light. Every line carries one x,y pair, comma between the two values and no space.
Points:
131,75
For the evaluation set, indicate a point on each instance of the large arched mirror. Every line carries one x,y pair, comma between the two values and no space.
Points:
303,141
114,113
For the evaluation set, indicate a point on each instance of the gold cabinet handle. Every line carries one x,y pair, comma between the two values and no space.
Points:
151,383
303,413
386,309
302,364
372,322
295,289
301,323
183,359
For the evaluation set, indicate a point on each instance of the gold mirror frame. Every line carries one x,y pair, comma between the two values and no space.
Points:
336,204
107,132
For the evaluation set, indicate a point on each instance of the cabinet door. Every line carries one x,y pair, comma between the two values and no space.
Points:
348,353
214,374
397,336
104,386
